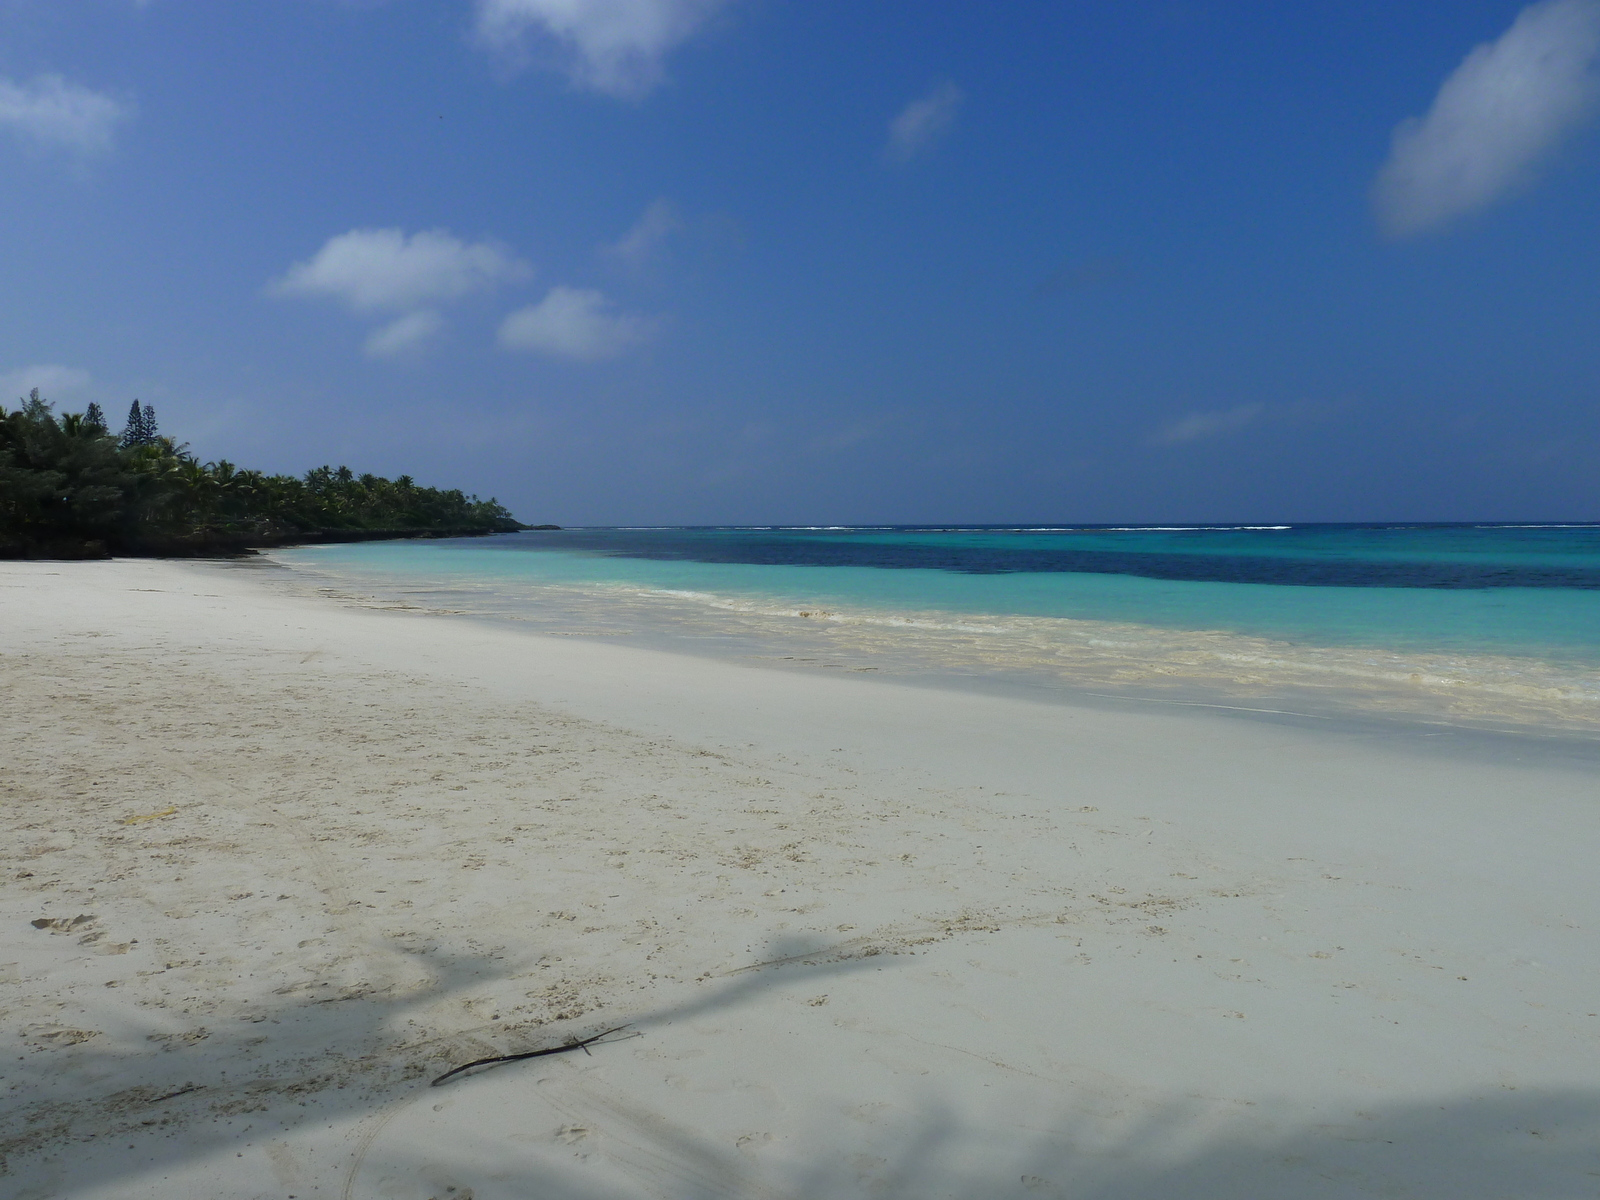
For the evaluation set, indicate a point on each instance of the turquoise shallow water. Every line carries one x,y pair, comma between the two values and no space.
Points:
1476,619
1515,616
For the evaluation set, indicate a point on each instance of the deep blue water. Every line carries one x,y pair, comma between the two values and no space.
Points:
1387,556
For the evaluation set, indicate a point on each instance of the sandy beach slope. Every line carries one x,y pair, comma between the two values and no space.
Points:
271,863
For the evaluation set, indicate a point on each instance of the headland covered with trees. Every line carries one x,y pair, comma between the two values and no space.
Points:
72,488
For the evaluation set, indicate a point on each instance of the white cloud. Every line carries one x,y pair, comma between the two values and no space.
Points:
53,381
373,270
573,323
53,112
1503,109
404,333
612,46
641,243
1208,424
922,121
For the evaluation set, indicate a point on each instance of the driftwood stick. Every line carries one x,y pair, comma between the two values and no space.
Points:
183,1091
582,1044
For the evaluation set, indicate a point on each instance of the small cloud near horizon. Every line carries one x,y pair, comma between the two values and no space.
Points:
574,323
1505,108
53,381
1208,424
615,47
922,122
850,436
49,111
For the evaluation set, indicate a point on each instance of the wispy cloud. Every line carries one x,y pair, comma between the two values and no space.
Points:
409,332
919,124
376,269
1498,114
642,243
1208,424
53,381
849,436
618,47
1097,272
50,111
574,323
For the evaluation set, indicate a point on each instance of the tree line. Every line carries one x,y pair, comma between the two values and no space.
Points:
70,487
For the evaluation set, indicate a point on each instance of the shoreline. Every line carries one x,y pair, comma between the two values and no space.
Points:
1073,660
1113,953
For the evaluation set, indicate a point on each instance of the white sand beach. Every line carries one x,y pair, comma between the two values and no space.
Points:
272,863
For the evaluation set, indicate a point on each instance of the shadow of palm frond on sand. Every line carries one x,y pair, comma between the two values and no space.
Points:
66,1123
1524,1145
126,1120
1528,1145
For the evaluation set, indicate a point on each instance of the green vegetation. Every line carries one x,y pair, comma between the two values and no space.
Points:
69,487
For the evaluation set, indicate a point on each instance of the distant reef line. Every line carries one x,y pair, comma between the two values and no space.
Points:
70,488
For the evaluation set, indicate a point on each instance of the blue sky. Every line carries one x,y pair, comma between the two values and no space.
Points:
666,261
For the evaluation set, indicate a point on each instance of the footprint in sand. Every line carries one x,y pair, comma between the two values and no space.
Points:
59,1035
63,924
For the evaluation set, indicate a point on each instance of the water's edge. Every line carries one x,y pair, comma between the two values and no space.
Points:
1051,659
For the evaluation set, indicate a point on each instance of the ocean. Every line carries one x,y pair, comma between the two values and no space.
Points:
1482,625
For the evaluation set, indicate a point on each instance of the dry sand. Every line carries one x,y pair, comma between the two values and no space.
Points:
271,863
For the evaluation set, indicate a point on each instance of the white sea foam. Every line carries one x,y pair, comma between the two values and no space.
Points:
1178,528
